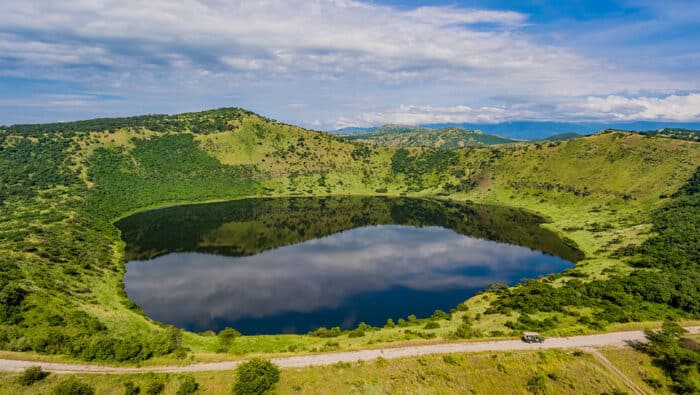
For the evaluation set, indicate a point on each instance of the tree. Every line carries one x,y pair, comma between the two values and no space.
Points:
226,337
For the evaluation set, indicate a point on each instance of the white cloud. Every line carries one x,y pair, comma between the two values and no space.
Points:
452,15
420,115
323,36
675,108
312,52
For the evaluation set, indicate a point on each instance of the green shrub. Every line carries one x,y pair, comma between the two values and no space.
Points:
465,331
131,389
389,323
73,387
154,388
452,359
357,332
325,332
431,325
440,315
255,377
537,384
188,386
31,375
653,383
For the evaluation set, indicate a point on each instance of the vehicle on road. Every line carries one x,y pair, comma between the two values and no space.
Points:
532,337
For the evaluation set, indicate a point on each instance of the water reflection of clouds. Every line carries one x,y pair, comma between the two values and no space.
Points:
323,273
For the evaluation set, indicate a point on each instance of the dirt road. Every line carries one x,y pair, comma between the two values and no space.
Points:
605,339
611,367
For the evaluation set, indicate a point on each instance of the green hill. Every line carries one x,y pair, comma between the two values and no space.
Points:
417,136
622,198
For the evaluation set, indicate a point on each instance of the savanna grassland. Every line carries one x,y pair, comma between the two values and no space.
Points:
629,202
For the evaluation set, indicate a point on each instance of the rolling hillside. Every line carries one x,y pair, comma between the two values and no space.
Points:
416,136
63,186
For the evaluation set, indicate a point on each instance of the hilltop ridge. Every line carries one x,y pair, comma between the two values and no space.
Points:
418,136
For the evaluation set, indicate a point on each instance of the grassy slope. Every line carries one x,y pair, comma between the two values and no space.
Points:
599,191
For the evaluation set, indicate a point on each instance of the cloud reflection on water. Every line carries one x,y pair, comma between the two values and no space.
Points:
196,290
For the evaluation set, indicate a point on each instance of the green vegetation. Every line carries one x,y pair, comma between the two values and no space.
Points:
256,377
560,137
416,136
672,290
628,201
72,386
676,133
31,375
201,122
188,386
678,357
561,372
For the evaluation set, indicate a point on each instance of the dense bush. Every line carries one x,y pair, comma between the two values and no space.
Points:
154,388
431,325
188,386
170,167
131,389
466,331
30,165
325,332
537,384
256,377
72,387
681,363
31,375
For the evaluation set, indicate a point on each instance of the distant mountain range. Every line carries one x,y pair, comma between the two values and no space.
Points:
535,130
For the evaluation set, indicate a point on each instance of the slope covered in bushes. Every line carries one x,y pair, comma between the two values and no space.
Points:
63,185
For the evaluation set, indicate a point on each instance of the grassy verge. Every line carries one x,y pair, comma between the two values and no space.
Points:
549,371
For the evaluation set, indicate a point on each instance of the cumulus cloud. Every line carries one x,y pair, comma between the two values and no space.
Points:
293,36
279,51
591,108
420,115
673,107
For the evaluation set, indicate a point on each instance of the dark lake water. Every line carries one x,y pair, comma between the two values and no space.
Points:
293,265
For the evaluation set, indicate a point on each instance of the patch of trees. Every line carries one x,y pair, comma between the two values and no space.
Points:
165,168
92,342
201,122
28,166
678,357
432,161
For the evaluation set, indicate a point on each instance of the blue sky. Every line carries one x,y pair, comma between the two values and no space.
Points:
336,63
